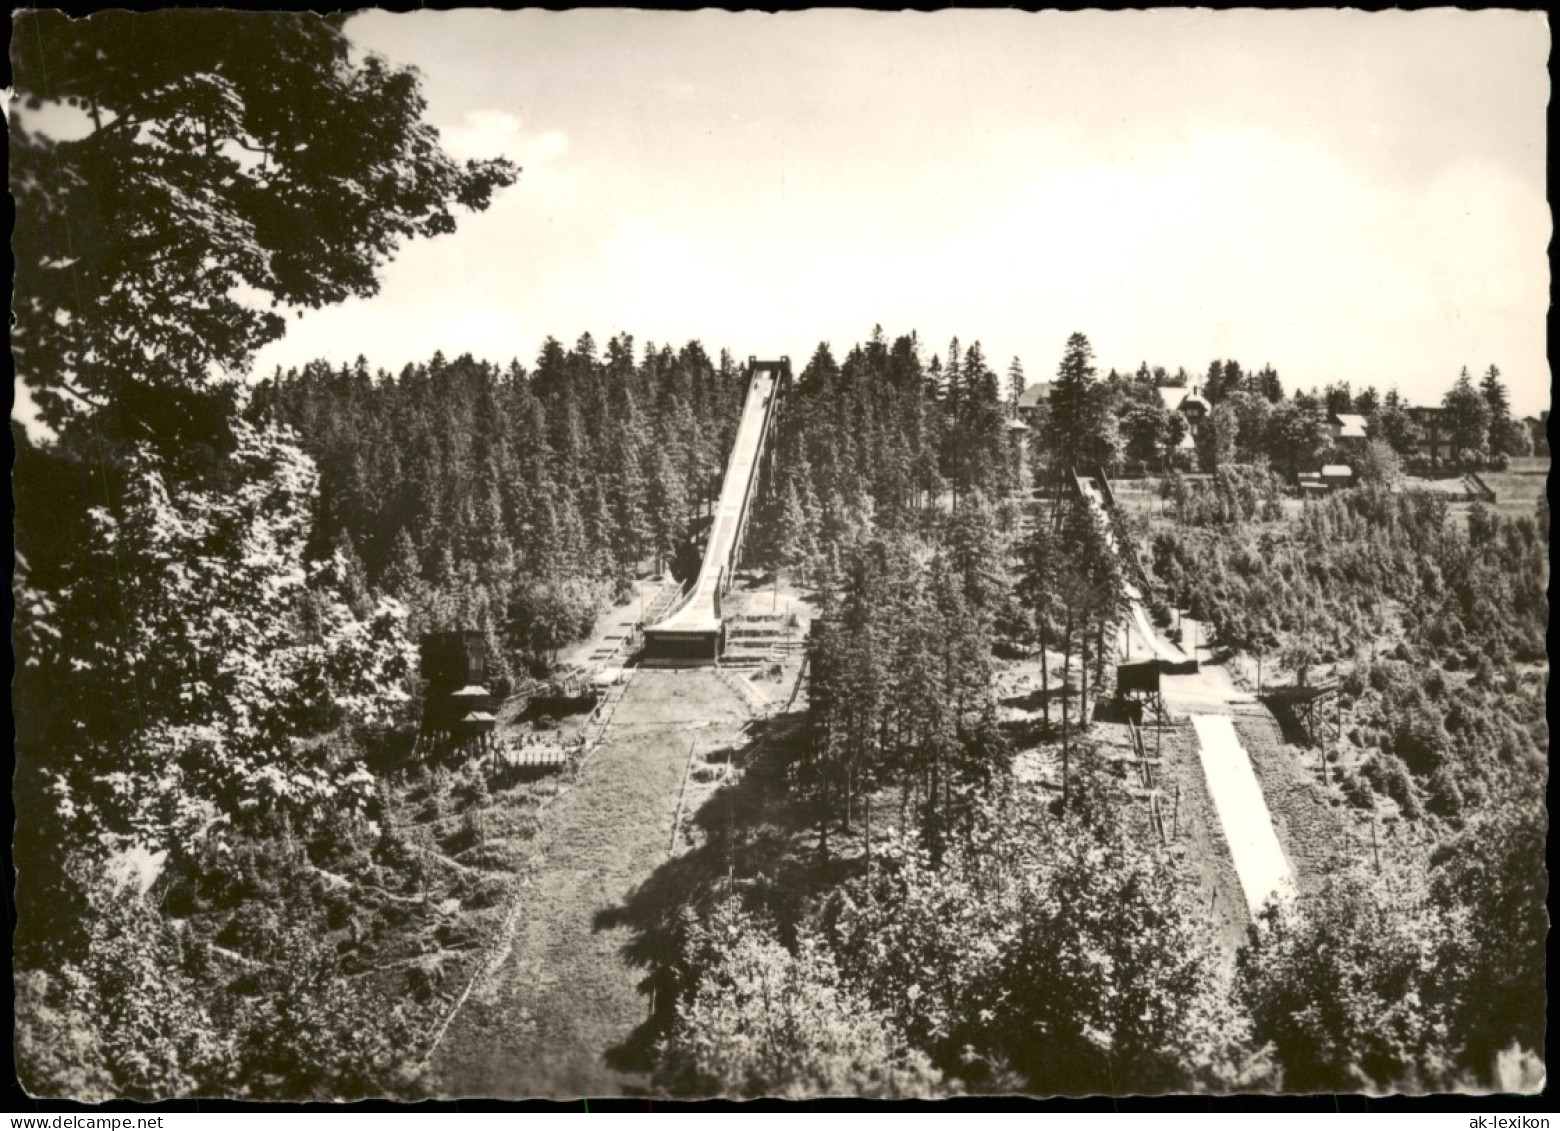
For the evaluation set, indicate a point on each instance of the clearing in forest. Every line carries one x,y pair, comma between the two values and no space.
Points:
563,995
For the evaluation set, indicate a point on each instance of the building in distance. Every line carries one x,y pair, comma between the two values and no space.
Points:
1348,429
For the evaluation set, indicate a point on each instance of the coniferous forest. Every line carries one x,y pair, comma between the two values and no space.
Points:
944,853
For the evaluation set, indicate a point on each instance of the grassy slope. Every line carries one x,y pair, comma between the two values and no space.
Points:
1308,818
566,1000
1204,856
1518,488
564,994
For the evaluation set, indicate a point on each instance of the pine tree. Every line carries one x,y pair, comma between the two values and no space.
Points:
668,506
219,647
980,437
1071,402
1338,398
1499,402
403,576
1080,427
1267,383
791,532
1392,424
1467,415
354,578
1216,437
1036,592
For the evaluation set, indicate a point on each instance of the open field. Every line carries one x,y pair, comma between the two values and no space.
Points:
1519,487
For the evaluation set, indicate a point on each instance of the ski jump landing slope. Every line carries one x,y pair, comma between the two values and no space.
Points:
693,628
1243,812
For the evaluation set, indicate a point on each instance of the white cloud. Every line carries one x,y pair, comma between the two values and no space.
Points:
482,133
498,133
542,148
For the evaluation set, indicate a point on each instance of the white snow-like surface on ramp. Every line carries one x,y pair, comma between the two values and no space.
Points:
1162,649
1248,827
697,613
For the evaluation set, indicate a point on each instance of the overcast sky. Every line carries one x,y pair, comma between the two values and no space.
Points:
1346,196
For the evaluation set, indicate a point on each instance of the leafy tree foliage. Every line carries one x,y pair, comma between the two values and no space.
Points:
1112,982
129,1021
1296,436
201,651
226,151
1216,438
1492,879
1369,564
1145,428
1379,466
1253,413
1043,954
1415,979
762,1019
202,646
1344,991
1233,495
146,1006
1390,422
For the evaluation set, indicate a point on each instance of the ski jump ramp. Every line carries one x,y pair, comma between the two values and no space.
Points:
1095,490
693,632
1260,864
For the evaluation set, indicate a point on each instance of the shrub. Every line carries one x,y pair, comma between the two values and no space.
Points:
1444,796
1355,789
425,975
338,907
763,1020
1419,738
1389,777
478,892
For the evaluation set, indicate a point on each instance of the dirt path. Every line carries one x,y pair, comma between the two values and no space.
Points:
564,995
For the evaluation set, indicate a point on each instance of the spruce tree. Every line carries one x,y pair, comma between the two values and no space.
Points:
1071,402
1499,402
1467,420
